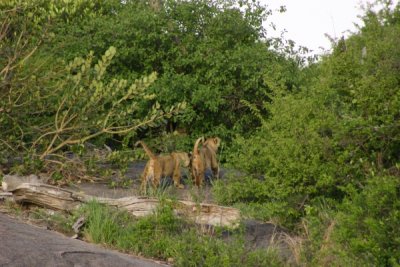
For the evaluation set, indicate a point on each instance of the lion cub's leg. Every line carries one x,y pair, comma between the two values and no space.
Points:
198,171
152,173
199,179
215,167
157,174
176,175
146,176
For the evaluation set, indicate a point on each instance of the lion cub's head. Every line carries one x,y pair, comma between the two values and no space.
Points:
212,143
183,157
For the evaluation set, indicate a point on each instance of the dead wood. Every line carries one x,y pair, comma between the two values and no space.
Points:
31,190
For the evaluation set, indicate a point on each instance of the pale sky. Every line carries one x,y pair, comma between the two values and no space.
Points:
307,21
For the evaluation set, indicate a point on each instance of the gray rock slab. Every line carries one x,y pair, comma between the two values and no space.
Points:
22,244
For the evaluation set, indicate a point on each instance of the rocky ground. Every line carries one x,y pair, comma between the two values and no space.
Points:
24,244
41,246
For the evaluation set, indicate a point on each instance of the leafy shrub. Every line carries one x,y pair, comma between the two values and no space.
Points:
332,135
360,231
252,197
48,106
368,222
206,53
293,154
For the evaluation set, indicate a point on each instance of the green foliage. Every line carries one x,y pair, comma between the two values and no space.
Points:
360,231
90,107
329,137
207,53
80,107
292,153
364,72
47,106
241,189
317,145
252,197
368,222
327,156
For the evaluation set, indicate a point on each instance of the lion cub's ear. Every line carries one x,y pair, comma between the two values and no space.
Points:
217,141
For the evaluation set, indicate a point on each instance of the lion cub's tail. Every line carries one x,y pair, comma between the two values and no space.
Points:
146,148
196,146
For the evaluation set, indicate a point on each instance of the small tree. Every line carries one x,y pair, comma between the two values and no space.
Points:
47,108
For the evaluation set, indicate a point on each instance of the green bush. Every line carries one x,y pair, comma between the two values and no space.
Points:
360,231
291,158
334,133
252,197
368,222
206,53
47,106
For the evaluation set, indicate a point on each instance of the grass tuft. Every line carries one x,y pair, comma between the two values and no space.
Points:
164,236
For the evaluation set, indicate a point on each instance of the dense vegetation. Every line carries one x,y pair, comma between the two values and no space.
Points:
318,143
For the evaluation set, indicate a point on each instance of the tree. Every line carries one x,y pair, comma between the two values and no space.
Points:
209,54
326,140
47,107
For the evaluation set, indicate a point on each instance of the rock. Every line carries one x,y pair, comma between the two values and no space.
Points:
27,245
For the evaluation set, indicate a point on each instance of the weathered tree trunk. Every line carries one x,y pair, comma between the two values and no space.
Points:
31,190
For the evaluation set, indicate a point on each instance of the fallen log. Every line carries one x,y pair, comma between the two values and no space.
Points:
30,189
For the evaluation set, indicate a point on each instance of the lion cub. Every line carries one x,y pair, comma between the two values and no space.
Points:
205,158
162,166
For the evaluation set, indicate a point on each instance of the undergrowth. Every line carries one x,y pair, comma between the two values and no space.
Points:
164,236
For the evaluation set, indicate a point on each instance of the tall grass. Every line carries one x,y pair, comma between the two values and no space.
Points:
164,236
